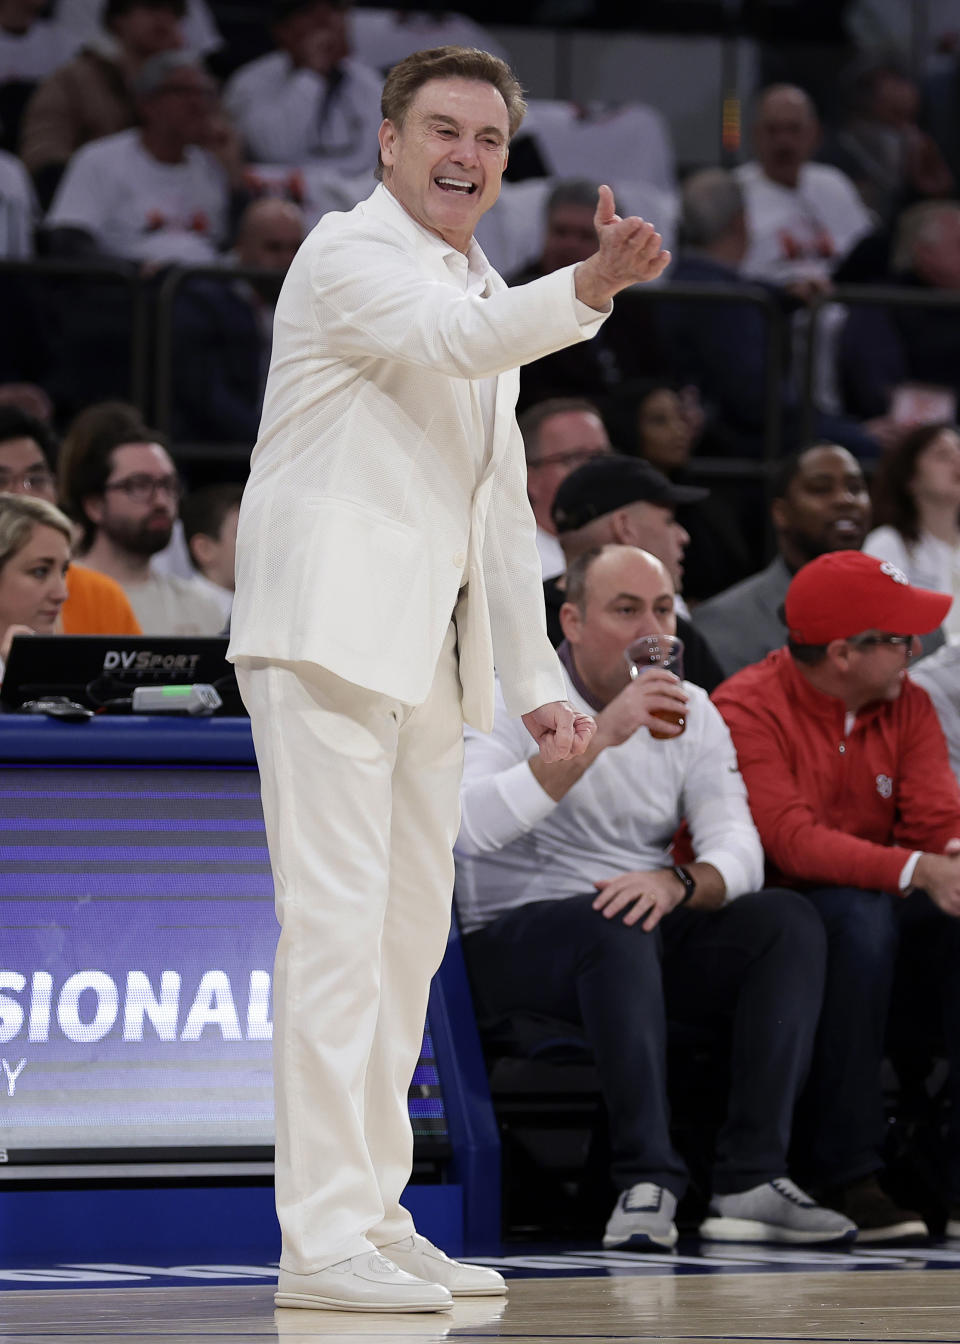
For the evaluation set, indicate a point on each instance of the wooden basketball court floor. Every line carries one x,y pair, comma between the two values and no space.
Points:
739,1295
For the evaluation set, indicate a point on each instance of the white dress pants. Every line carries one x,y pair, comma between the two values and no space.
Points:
361,803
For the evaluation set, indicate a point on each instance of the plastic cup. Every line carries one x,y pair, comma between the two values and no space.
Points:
658,651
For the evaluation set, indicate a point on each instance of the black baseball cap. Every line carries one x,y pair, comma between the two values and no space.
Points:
610,481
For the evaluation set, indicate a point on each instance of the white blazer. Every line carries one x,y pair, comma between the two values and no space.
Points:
372,512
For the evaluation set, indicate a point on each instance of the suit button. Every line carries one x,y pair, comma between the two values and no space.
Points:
459,559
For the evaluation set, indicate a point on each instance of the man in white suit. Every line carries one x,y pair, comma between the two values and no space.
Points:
386,559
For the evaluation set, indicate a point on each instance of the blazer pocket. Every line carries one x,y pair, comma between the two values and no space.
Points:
365,580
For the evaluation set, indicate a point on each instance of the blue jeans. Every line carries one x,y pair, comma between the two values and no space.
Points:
760,958
871,938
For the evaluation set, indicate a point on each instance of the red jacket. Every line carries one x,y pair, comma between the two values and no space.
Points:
832,809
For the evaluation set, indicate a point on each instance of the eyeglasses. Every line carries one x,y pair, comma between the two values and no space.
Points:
572,459
873,641
142,488
32,483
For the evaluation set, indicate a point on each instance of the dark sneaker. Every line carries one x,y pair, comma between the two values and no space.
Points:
777,1211
642,1220
877,1217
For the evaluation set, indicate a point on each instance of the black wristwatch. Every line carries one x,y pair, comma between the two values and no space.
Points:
689,883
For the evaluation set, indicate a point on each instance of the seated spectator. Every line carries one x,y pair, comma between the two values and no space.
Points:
870,834
625,346
34,557
309,99
802,217
572,908
151,194
664,424
96,604
881,147
118,481
723,347
559,435
820,503
223,330
618,500
916,506
210,526
92,96
884,348
31,46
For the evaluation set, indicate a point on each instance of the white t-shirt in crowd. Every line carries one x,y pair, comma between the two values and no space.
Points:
165,605
284,116
18,209
552,559
222,596
33,55
139,208
927,563
517,845
800,232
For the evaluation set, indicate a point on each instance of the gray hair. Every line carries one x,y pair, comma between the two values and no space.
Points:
710,202
917,225
573,191
19,515
153,74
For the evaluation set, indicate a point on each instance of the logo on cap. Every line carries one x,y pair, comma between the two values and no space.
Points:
892,572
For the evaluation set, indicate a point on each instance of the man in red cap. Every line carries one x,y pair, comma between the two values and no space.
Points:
851,790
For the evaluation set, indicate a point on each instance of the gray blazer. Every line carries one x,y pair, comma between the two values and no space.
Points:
741,624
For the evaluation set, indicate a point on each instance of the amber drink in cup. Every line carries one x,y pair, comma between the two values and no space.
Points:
658,651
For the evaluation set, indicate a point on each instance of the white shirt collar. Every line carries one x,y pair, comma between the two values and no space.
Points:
473,261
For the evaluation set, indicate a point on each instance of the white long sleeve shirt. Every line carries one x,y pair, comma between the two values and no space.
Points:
517,845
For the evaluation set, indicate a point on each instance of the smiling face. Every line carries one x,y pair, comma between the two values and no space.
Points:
32,582
445,162
826,506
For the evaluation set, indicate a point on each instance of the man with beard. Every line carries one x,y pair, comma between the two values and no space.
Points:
119,483
820,503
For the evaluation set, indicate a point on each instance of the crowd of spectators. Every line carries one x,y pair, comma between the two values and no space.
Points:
689,470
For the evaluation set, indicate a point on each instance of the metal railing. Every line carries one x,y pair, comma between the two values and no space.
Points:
851,296
150,342
53,277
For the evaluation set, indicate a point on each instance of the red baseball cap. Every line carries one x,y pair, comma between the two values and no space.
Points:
843,593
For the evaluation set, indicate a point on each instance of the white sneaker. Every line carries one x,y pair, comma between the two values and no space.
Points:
366,1282
420,1257
642,1219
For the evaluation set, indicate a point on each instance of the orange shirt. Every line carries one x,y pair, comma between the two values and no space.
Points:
96,605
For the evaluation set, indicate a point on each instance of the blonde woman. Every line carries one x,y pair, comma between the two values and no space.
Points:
35,539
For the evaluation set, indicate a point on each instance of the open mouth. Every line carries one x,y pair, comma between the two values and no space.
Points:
455,185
